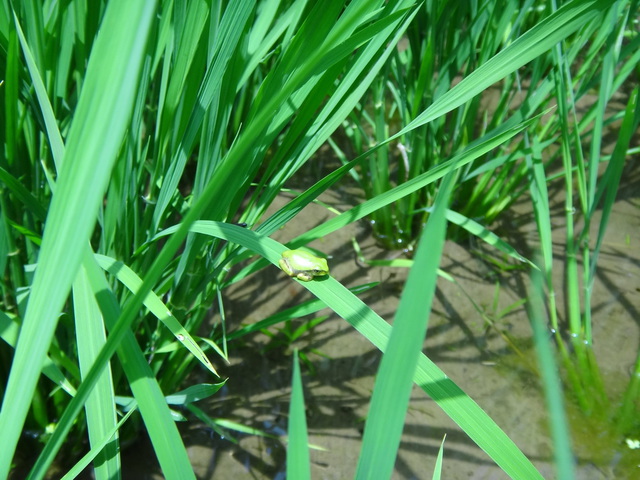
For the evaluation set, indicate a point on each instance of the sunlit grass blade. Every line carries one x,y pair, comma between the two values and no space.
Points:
194,393
437,470
155,305
394,380
90,456
530,45
100,406
298,465
95,136
487,236
54,134
160,425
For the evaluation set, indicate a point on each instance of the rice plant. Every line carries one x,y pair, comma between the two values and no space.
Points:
602,58
143,145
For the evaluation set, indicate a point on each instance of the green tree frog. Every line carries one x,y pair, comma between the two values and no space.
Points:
303,265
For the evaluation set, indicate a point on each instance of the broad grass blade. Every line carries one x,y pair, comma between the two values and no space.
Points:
394,380
298,465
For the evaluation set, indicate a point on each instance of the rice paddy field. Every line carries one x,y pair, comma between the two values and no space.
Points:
296,239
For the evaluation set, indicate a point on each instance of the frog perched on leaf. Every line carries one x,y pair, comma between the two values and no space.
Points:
303,265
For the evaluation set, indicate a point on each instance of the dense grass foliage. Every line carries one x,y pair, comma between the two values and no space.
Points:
144,143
